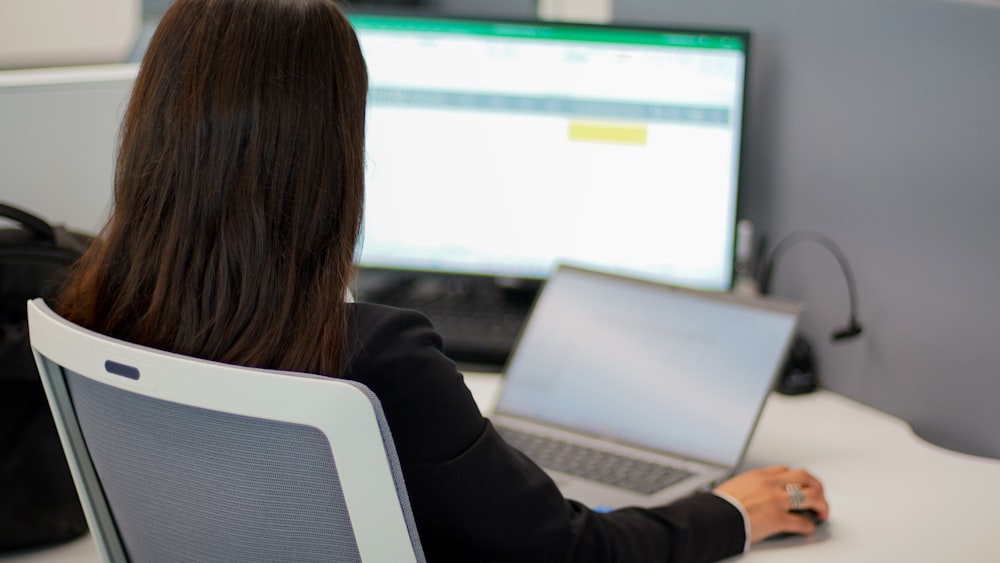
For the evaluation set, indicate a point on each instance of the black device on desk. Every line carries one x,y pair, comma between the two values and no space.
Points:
496,149
478,318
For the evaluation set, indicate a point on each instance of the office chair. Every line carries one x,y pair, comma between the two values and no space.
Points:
182,459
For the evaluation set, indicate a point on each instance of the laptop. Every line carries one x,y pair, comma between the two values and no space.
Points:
631,392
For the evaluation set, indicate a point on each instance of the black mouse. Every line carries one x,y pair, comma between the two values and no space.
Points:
808,513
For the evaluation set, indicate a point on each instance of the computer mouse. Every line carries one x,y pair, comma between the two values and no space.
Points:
808,513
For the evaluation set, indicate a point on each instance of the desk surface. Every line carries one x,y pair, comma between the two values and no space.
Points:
893,497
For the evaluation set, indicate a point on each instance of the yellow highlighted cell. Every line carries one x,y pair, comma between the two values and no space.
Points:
622,133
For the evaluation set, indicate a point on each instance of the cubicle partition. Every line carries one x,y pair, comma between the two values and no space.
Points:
58,139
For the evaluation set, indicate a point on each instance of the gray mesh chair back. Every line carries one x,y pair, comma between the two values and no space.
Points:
180,459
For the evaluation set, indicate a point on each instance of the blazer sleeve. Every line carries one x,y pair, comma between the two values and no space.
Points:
475,498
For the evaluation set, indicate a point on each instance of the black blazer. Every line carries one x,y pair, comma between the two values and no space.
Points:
475,498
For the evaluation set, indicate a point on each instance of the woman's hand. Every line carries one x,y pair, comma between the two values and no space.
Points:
768,495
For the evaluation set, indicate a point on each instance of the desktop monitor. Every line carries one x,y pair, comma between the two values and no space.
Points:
503,148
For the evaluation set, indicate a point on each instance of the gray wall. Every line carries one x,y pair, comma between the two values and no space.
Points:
877,122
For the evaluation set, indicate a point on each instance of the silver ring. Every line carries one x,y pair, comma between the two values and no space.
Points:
795,496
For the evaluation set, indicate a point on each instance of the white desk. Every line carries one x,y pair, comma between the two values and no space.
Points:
893,497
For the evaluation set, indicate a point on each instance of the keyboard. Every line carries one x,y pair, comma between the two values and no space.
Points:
605,467
478,321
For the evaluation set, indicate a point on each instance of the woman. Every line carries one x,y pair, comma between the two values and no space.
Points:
238,204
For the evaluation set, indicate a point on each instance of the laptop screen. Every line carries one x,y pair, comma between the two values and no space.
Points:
649,364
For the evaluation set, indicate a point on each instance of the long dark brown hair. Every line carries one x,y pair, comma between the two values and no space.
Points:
238,189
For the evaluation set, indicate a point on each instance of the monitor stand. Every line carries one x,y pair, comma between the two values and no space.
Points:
479,317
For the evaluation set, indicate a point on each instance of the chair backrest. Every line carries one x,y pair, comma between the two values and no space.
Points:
177,458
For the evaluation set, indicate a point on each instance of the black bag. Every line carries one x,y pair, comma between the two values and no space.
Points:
38,501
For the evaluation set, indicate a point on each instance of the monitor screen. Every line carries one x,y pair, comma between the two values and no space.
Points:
504,148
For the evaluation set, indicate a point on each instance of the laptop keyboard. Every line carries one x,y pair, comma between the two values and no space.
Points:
477,320
612,469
